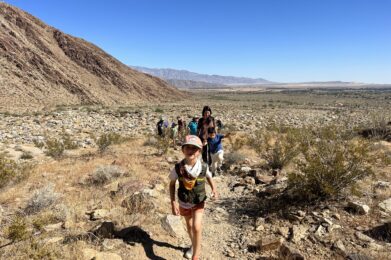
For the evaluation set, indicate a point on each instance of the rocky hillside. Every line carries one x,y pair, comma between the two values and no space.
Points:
42,66
184,78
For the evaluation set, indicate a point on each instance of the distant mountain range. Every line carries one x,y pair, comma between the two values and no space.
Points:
188,79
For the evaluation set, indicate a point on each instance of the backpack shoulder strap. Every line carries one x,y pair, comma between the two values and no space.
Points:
204,169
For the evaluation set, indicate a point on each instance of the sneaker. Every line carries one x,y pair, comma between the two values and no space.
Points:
189,253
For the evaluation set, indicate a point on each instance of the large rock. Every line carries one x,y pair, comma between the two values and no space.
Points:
386,205
298,233
267,244
339,248
358,207
289,253
98,214
173,225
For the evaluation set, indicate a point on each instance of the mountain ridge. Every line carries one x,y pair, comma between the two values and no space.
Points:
42,66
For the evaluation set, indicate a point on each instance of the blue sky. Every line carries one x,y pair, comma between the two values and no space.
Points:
286,41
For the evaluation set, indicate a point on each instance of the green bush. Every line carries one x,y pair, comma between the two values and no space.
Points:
12,171
26,155
163,144
276,148
54,148
107,139
68,142
17,231
38,144
331,163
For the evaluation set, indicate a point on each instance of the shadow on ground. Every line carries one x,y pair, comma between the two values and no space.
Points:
130,235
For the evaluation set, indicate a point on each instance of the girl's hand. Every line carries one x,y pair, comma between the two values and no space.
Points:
174,208
214,195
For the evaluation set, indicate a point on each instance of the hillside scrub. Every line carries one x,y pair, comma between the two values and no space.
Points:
332,161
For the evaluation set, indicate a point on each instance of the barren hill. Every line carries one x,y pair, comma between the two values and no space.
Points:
41,66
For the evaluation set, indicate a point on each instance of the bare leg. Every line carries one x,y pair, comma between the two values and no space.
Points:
189,225
197,233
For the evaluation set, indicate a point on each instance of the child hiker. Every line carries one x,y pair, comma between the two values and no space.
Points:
192,174
216,149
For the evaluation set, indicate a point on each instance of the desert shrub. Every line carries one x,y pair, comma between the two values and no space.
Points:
17,231
43,219
163,144
68,142
12,171
237,143
233,158
276,148
107,139
41,199
330,164
138,203
26,155
104,174
159,110
54,148
378,129
39,144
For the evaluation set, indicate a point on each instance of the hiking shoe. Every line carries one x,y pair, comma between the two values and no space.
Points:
189,253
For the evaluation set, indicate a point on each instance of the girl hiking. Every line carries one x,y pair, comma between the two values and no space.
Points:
205,122
192,174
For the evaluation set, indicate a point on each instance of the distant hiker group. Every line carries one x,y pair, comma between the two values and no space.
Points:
206,128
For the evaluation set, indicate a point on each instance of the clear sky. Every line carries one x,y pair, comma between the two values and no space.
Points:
286,41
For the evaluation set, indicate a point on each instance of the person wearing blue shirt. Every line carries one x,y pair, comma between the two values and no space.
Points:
193,126
216,149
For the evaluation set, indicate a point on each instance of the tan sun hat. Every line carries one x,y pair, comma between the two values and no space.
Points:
193,140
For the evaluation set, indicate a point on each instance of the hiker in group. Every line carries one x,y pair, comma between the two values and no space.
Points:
181,128
215,147
219,124
192,175
161,126
193,126
174,133
205,122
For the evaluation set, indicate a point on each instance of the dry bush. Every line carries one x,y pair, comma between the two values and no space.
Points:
41,199
18,231
68,142
138,203
237,143
332,163
54,148
26,155
377,129
10,171
38,143
277,147
104,174
107,139
43,219
163,144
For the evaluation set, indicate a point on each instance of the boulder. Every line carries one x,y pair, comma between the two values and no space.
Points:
358,207
173,225
385,205
269,243
289,253
298,233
